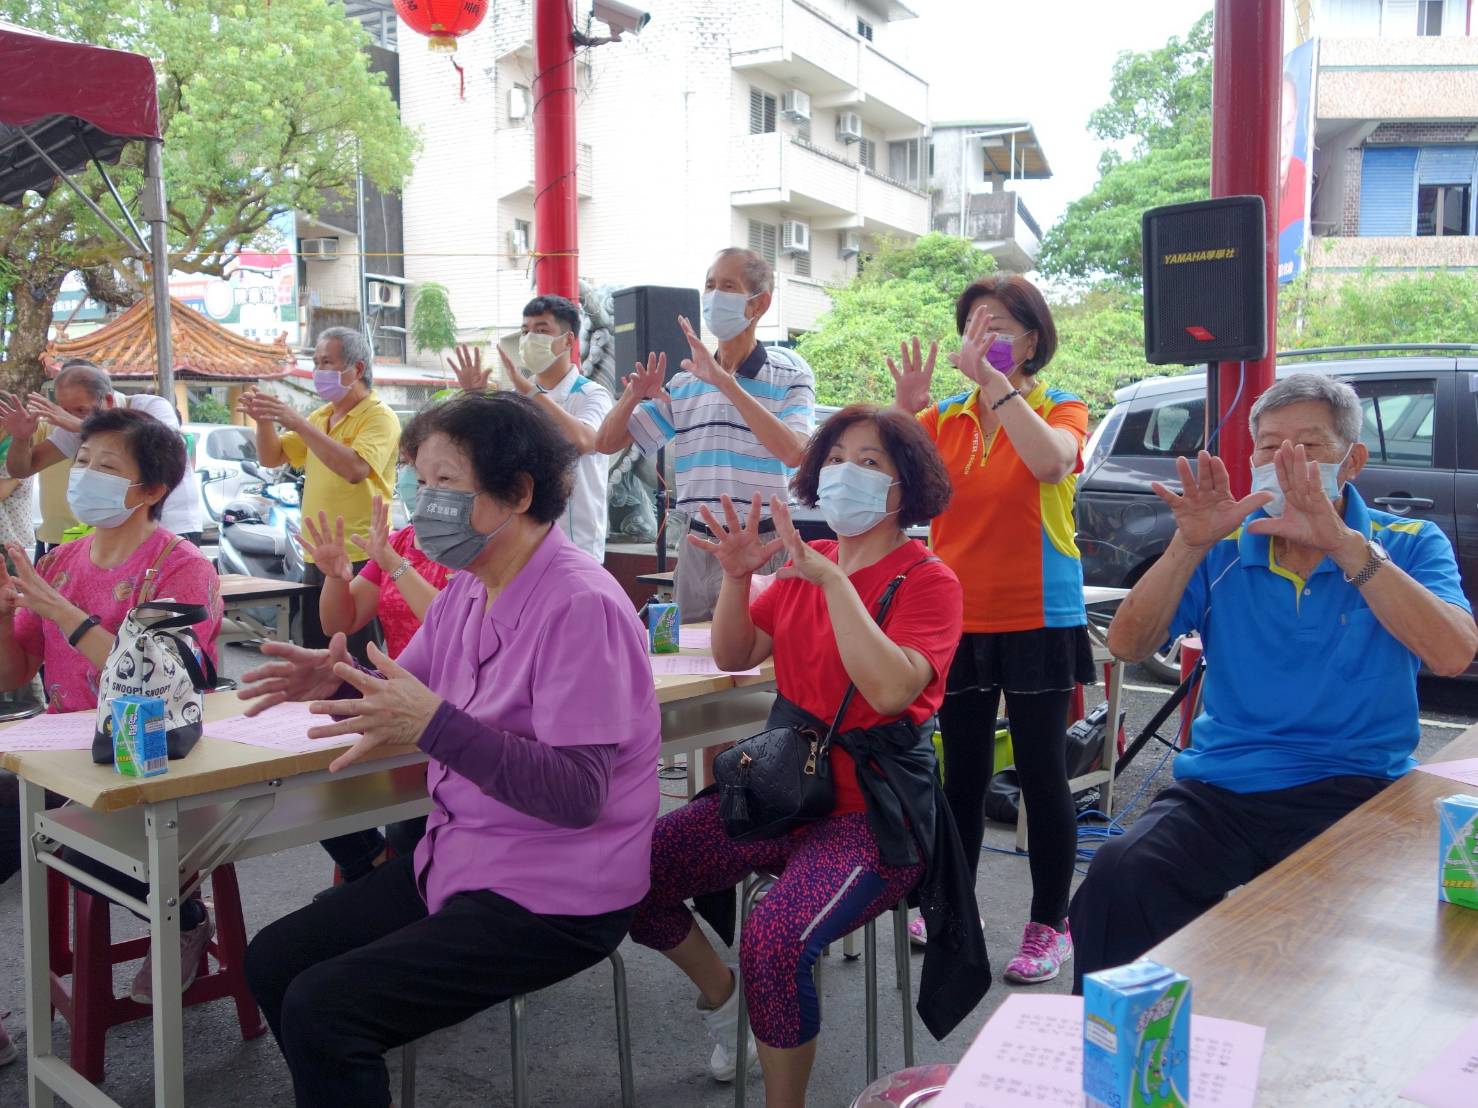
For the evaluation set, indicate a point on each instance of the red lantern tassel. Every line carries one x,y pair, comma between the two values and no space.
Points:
461,78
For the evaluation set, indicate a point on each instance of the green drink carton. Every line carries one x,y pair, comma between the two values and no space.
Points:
1457,850
139,747
1136,1037
662,628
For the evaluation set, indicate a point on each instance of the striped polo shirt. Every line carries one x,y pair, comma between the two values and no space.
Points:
715,452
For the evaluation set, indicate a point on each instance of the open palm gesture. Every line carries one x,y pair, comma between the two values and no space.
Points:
467,366
20,422
1309,517
326,546
700,361
911,383
738,547
377,543
294,673
806,562
646,383
1206,512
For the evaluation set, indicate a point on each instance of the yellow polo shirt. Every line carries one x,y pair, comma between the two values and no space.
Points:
372,431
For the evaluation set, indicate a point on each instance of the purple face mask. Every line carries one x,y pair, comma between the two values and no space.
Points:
1000,354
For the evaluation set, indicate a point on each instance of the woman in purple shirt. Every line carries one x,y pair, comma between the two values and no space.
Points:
529,687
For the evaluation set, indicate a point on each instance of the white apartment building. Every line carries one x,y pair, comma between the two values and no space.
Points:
786,125
973,166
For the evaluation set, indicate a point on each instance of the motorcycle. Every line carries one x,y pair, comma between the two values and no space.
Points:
260,530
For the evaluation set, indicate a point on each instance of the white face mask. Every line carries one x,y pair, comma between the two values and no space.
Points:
97,499
852,498
1265,479
536,351
723,313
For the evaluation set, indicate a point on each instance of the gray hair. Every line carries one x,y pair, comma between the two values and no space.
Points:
85,375
759,275
1343,401
354,348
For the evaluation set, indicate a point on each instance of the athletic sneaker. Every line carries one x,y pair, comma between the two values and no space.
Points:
1042,953
8,1053
722,1025
918,935
192,946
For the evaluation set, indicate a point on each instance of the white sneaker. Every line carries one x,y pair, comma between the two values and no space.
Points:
722,1025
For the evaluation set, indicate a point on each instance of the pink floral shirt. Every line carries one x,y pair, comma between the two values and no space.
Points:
186,575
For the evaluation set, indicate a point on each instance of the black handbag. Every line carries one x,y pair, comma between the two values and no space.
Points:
780,779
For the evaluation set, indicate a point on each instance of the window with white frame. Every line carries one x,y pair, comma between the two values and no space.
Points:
864,28
761,112
867,154
903,161
1429,17
763,239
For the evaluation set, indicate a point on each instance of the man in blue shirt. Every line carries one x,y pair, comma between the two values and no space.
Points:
1315,613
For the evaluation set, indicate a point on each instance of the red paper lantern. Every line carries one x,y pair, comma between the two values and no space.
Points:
442,21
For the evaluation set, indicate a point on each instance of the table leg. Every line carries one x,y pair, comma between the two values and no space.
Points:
161,824
37,947
1114,682
282,624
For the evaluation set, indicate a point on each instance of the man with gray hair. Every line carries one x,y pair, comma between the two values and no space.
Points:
82,388
1314,618
347,449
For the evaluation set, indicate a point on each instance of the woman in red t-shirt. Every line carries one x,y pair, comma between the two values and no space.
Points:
873,473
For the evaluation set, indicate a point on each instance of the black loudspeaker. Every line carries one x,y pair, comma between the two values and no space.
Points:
646,323
1205,282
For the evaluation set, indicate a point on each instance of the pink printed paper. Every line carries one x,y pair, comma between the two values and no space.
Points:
693,665
54,731
1464,770
283,728
1452,1080
1030,1055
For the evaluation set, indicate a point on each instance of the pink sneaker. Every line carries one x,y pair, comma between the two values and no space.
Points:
918,934
1042,953
8,1052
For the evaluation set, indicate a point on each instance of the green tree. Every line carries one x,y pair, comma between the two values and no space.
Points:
903,290
1100,346
433,327
1160,108
205,408
264,107
1441,306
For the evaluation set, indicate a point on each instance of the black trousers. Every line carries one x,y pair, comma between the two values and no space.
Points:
967,722
351,976
356,852
1193,845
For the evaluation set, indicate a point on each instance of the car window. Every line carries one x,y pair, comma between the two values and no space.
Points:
1170,428
233,445
1397,421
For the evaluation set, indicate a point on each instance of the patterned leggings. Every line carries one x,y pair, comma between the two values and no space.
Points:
832,883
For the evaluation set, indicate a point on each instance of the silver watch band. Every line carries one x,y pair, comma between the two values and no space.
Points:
399,570
1367,571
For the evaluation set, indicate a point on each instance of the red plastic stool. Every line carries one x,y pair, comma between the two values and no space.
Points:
1190,654
89,1006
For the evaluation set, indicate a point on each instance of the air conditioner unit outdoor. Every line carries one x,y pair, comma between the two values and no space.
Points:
323,250
796,105
849,127
384,294
518,103
795,237
851,244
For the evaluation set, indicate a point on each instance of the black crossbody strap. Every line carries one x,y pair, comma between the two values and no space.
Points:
884,604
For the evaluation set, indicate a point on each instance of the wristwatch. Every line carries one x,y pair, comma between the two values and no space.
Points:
1378,558
396,573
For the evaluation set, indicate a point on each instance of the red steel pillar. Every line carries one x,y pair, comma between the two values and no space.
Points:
1247,82
556,199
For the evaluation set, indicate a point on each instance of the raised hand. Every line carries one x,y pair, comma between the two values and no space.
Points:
394,710
295,674
467,366
269,409
974,343
9,593
1206,512
646,382
44,408
805,562
1309,517
911,383
377,543
700,363
326,546
16,418
34,592
738,547
522,383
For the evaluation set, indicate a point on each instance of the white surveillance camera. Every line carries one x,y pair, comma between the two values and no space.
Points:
620,18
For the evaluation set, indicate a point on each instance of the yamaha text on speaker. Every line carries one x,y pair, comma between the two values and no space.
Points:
646,322
1205,282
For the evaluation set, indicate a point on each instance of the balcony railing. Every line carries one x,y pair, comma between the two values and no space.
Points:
998,222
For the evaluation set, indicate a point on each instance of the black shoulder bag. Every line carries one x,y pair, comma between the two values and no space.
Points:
780,779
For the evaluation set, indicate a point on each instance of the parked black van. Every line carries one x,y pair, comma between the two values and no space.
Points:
1420,425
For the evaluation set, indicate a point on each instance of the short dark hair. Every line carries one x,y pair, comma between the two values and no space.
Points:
557,306
507,438
157,450
1027,306
923,479
85,375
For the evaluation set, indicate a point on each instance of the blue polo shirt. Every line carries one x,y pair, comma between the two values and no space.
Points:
1302,681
